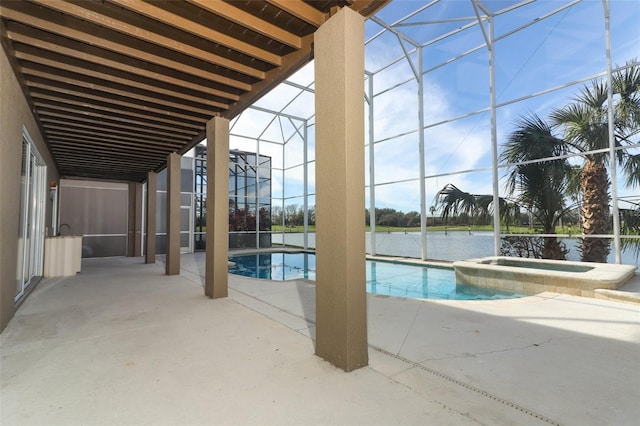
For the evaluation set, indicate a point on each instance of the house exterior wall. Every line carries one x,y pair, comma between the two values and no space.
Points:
14,114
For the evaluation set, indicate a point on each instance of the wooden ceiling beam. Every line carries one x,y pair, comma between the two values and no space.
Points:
109,138
114,161
131,166
151,11
301,10
88,133
86,173
113,100
91,144
73,66
49,24
92,153
96,151
116,85
367,8
53,114
74,49
85,167
96,85
97,170
76,10
116,113
247,20
51,106
121,177
53,120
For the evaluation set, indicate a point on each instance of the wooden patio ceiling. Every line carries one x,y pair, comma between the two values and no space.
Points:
117,85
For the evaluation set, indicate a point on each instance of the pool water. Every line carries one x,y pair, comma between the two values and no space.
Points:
521,263
384,278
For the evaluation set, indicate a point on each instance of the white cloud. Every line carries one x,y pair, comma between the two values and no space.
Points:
449,92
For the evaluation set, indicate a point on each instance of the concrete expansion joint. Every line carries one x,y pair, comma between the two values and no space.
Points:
470,387
453,410
406,336
497,351
279,309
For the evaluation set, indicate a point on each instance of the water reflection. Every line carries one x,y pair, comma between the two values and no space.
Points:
452,246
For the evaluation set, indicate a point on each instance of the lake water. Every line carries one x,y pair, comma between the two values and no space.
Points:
452,246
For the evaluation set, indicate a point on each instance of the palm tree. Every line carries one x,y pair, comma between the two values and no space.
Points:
537,186
585,126
455,202
540,187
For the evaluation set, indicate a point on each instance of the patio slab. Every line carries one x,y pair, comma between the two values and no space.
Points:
122,343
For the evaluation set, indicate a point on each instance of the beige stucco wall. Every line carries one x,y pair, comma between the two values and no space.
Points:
14,114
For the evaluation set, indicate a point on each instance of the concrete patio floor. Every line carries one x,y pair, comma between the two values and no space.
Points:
123,344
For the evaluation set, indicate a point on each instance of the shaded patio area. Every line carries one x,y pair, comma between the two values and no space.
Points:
122,343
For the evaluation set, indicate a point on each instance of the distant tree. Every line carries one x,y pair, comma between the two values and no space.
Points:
265,219
389,219
412,219
312,215
276,215
290,214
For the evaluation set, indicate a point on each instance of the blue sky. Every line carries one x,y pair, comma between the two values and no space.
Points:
567,46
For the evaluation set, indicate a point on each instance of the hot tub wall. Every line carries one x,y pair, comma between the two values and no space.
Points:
481,273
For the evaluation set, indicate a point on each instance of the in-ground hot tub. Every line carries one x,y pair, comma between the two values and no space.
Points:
532,276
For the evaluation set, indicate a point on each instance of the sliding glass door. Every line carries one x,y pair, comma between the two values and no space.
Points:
32,217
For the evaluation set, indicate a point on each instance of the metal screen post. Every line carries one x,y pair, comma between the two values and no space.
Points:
423,189
372,168
612,140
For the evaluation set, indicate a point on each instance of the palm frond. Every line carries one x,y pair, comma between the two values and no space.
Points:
630,221
594,96
631,167
454,201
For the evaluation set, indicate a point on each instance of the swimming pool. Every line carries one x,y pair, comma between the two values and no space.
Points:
383,278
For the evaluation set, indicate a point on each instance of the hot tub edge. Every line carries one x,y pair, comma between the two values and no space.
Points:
486,272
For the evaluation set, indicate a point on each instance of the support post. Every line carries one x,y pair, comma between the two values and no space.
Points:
216,280
341,316
134,225
150,248
173,214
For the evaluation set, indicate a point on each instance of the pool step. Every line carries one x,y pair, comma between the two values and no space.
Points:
629,293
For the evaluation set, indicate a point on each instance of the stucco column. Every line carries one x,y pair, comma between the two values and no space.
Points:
217,216
173,214
341,314
150,247
134,231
